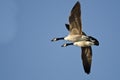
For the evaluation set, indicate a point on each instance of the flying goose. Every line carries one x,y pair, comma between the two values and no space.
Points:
79,38
85,43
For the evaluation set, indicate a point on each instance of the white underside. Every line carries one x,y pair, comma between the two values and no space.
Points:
83,43
75,38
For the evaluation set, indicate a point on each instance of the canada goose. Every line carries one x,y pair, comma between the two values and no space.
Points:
89,42
74,26
79,38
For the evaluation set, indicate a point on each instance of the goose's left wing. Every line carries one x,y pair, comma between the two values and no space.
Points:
86,58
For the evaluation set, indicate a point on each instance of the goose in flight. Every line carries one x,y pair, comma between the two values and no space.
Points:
79,38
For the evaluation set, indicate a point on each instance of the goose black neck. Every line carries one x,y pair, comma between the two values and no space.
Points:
62,38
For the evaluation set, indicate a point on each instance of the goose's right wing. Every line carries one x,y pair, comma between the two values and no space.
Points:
75,20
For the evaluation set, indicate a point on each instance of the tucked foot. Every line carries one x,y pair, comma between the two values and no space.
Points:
64,45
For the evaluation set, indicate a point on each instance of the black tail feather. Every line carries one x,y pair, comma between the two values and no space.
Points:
96,42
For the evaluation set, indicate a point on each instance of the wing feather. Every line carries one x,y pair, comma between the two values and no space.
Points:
86,58
75,20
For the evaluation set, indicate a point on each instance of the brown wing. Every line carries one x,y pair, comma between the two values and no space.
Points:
75,20
86,58
68,28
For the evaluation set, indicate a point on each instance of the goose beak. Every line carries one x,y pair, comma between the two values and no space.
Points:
54,39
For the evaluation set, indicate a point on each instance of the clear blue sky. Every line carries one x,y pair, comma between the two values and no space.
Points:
27,26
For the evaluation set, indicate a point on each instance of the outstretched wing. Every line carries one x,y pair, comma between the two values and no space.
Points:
86,58
75,20
68,28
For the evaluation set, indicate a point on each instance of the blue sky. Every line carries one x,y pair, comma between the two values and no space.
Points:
27,26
